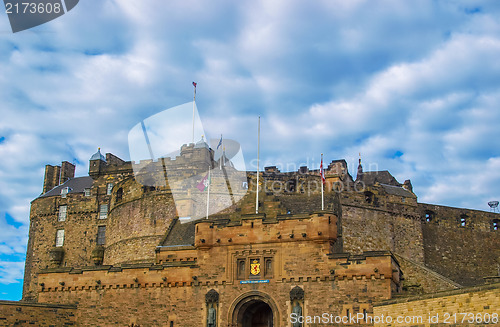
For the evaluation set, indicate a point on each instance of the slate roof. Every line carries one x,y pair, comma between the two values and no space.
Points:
382,177
180,234
76,185
98,156
397,190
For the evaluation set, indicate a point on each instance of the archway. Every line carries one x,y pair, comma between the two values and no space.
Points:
256,314
254,309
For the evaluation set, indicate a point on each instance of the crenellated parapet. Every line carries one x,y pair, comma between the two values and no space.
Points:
250,229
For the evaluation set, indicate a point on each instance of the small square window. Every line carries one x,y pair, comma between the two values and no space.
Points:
60,237
101,235
103,211
109,189
87,192
62,213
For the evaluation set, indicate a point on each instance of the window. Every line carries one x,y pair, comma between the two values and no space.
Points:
62,213
103,211
119,194
87,192
109,189
368,197
60,237
101,235
64,192
429,216
463,220
496,224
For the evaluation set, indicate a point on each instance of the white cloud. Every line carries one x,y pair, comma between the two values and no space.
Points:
11,272
412,86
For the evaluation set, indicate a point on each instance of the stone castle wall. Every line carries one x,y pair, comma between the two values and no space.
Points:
421,236
476,306
464,254
14,313
157,295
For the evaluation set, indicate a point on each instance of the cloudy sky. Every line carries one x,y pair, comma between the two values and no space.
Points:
414,86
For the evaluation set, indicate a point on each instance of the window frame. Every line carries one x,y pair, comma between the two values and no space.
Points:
63,214
102,214
59,238
109,188
101,235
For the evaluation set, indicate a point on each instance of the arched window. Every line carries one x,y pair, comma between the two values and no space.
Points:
119,194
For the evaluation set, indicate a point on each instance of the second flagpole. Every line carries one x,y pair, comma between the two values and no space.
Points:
258,168
208,193
322,174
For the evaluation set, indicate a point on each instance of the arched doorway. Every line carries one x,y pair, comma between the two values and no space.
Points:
256,314
254,309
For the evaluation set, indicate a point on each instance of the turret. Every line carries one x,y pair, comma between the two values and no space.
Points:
97,162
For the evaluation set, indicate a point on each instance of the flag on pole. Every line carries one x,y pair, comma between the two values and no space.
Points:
220,142
322,171
203,185
194,84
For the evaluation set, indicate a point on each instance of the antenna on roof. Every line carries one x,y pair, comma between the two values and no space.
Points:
493,206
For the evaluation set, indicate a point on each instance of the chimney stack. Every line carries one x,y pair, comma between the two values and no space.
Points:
67,171
57,175
51,179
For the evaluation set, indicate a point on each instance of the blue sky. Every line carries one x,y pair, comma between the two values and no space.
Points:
412,85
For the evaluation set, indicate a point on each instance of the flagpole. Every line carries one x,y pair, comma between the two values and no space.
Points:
194,99
220,160
208,193
322,192
258,168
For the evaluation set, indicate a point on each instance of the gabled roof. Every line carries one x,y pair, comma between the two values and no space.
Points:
382,177
76,185
397,190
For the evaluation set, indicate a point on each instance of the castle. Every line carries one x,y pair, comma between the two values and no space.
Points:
109,249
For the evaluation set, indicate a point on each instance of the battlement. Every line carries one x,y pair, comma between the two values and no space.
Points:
438,215
318,227
368,265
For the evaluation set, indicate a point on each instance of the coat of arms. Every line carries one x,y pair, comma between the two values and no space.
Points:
255,267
